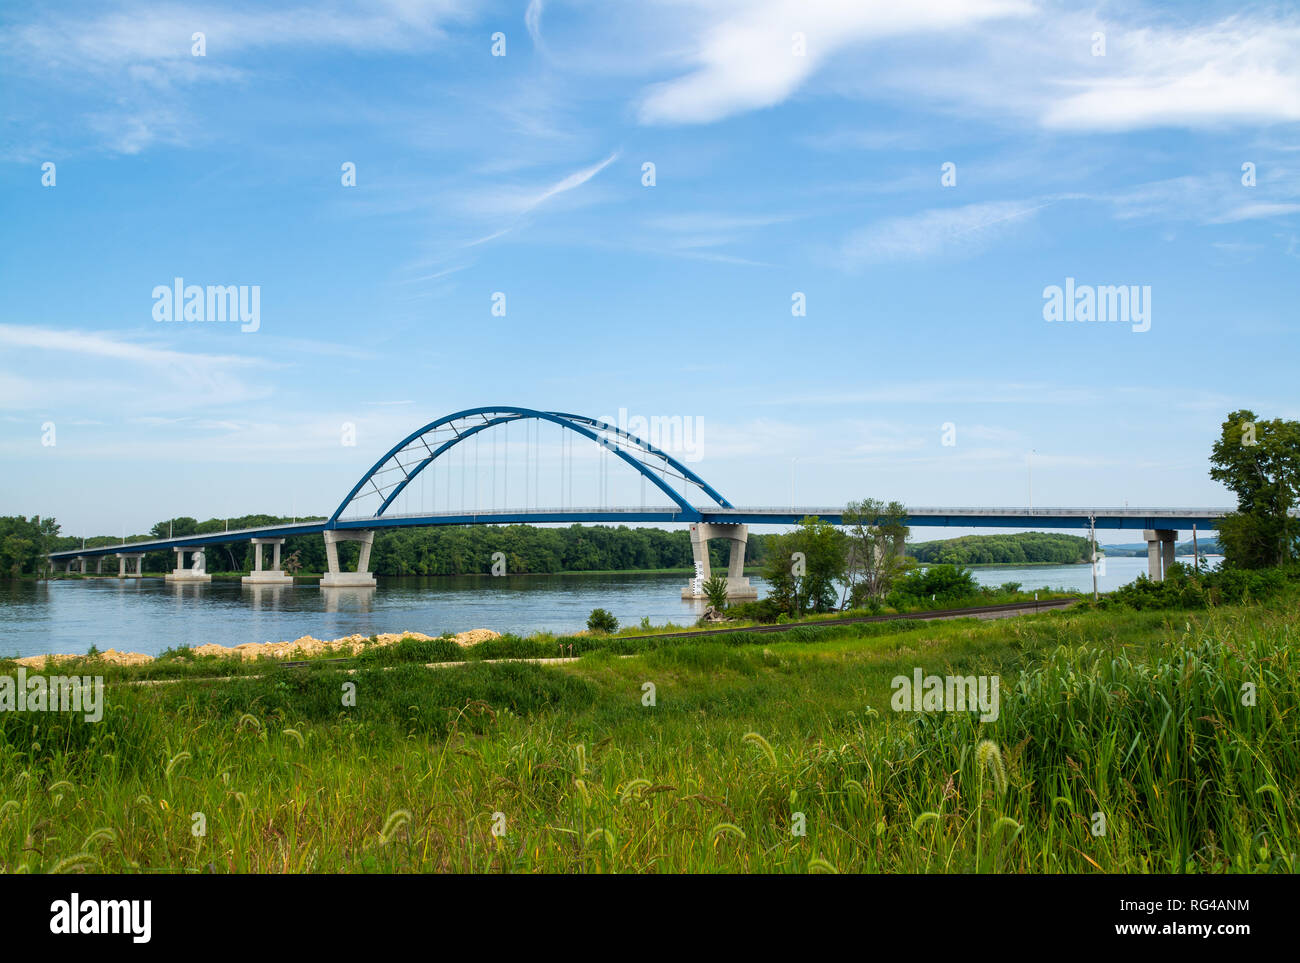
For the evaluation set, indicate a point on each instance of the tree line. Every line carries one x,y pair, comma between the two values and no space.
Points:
1023,548
444,550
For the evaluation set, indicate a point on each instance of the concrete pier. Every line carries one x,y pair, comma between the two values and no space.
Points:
1160,551
197,572
738,586
361,578
121,564
272,576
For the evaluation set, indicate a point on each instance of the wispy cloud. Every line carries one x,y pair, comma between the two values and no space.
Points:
520,200
103,346
533,21
137,68
948,231
574,180
1250,212
140,36
176,378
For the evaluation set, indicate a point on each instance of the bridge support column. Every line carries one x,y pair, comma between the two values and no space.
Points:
99,565
272,576
738,586
338,579
197,572
1160,552
139,564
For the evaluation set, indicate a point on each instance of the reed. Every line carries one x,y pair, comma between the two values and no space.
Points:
1152,741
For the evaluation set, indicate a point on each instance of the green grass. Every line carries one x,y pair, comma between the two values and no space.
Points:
1137,715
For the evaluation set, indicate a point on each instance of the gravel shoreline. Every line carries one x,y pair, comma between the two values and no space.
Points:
248,651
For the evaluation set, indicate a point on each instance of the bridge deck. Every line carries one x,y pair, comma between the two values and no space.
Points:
1178,519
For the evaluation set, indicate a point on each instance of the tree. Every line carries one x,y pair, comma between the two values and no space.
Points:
1260,462
25,543
804,566
778,573
876,533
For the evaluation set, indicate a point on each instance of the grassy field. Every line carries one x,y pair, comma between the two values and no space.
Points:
771,754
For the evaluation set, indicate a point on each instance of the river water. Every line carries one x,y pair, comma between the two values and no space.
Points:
150,615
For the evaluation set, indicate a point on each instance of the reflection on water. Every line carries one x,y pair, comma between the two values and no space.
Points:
150,615
355,599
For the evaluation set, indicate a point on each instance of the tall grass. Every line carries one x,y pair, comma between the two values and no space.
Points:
774,755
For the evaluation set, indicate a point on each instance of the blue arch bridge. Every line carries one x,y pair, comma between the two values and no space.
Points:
402,490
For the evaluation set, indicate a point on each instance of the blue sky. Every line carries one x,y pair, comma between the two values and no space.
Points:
797,147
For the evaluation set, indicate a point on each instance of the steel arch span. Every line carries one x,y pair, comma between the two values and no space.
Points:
392,473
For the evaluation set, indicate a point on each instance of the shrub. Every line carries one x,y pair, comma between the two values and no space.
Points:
764,611
601,621
715,590
937,583
1186,589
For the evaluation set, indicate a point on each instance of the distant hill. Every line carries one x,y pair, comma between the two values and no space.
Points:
1209,545
1022,548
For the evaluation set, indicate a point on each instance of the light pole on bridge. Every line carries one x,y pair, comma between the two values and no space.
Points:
1029,461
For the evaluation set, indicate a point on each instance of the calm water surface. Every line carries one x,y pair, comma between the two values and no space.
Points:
151,615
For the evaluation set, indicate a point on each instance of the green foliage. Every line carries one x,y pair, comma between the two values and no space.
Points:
765,610
1260,462
411,650
715,590
935,584
1184,588
1022,548
803,567
876,534
601,621
24,543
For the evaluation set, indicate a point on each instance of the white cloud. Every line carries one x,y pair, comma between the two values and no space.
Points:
1030,62
748,59
1240,70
